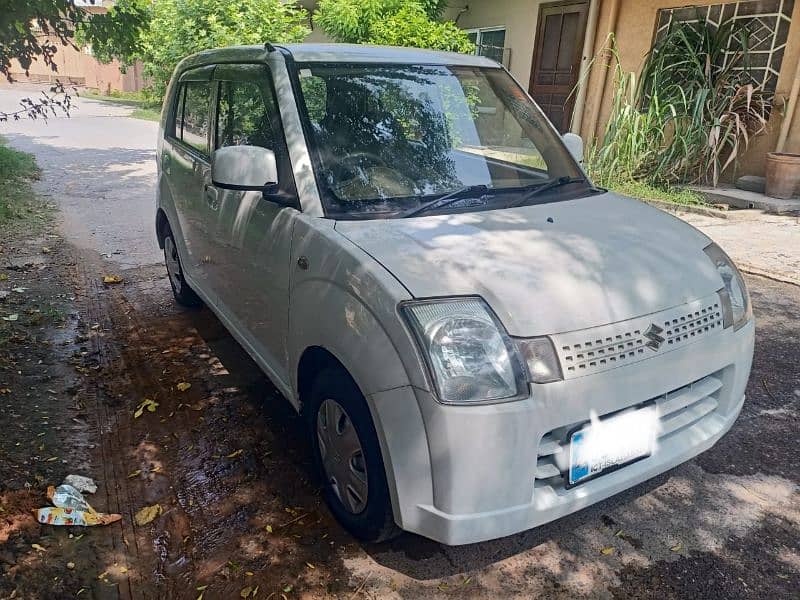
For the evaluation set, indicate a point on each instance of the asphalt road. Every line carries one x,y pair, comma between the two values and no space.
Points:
726,524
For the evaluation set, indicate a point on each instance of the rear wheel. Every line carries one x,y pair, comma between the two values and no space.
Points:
348,458
184,295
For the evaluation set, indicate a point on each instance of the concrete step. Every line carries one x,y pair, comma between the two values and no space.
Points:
745,199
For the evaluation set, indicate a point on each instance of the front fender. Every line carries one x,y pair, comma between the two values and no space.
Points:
342,300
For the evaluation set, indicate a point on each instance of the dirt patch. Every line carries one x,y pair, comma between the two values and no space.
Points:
221,453
744,568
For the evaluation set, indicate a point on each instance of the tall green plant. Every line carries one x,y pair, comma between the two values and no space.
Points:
692,113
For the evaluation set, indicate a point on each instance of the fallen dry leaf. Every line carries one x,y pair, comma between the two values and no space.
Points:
147,404
112,279
183,386
677,547
38,547
607,551
235,453
147,514
135,473
246,591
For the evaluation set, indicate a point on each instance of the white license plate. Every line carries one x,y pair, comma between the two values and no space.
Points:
607,444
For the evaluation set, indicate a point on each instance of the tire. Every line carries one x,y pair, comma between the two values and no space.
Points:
374,521
184,295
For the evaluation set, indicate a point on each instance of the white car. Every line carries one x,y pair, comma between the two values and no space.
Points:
481,340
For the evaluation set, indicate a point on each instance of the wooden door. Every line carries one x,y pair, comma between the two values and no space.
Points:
557,59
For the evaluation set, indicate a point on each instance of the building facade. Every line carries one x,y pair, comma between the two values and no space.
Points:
551,46
77,66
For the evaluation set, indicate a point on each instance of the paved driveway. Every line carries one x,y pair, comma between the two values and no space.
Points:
99,169
726,524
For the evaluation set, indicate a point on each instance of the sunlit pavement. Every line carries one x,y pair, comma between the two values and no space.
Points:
726,524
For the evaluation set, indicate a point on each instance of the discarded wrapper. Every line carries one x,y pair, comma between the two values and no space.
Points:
66,496
71,508
82,484
56,515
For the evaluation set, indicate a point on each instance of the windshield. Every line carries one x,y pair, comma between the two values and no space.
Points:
388,139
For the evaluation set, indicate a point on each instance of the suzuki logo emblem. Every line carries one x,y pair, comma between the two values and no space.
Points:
653,335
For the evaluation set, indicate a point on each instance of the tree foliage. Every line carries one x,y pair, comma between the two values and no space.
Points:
411,26
117,33
172,29
393,22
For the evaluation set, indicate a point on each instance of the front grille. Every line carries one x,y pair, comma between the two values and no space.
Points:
598,349
677,410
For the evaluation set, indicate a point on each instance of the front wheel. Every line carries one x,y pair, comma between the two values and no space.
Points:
184,295
348,459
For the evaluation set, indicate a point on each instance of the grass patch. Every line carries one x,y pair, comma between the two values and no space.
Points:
144,106
646,191
17,169
148,114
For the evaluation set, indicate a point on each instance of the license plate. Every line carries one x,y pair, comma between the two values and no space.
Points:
607,444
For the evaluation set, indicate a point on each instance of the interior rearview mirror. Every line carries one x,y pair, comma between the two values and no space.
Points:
574,144
244,168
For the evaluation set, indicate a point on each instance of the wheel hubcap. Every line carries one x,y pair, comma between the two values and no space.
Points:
342,456
173,263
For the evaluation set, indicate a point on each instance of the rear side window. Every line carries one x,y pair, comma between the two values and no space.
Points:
243,116
192,115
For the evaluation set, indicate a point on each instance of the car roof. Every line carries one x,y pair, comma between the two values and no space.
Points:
347,53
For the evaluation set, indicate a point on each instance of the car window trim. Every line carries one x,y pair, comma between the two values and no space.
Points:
259,74
178,141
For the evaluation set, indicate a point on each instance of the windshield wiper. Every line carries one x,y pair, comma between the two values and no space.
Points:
550,185
446,200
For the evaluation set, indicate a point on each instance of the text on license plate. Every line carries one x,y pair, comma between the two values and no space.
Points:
604,444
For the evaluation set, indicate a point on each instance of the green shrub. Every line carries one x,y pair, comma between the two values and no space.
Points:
391,22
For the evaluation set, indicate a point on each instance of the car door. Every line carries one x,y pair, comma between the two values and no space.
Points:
187,160
251,245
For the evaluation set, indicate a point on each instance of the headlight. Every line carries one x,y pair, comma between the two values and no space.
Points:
736,308
470,356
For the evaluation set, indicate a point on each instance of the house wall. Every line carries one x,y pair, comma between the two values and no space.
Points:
519,17
77,67
634,33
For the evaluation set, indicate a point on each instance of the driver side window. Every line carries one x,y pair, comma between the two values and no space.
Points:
243,116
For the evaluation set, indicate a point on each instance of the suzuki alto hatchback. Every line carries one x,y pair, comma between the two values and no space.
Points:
481,340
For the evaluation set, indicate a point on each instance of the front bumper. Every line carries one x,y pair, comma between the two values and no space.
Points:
462,474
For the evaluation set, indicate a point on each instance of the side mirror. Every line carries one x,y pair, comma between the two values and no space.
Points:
574,144
244,168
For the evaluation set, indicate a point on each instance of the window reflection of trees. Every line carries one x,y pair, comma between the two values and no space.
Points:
388,134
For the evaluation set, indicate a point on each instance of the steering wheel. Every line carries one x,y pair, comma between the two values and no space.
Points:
358,159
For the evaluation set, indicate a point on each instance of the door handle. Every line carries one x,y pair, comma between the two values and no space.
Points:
165,163
211,196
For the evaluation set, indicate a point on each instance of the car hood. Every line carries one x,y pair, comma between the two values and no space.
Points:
547,268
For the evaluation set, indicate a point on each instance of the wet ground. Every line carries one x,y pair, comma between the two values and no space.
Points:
228,464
